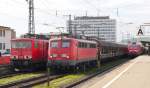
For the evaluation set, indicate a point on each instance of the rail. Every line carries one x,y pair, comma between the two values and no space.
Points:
26,83
77,82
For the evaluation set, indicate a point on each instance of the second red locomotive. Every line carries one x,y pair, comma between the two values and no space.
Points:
72,52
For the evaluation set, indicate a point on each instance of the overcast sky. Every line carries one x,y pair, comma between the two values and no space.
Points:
14,13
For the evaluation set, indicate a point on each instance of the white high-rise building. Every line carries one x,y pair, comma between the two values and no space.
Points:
102,27
6,34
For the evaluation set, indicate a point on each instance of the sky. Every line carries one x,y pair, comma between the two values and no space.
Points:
130,14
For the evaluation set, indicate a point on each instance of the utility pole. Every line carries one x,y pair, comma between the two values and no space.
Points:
117,12
69,24
31,24
70,30
86,13
98,34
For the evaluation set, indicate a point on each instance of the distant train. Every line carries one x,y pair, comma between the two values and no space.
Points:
28,53
135,49
71,52
66,52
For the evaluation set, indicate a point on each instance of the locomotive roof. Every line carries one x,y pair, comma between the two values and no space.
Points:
26,39
103,43
80,40
22,39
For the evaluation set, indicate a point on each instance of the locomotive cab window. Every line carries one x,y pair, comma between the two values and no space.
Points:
36,44
21,44
54,44
65,43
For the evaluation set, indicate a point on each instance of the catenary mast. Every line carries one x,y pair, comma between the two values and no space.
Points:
31,24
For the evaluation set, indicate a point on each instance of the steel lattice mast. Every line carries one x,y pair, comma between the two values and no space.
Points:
31,24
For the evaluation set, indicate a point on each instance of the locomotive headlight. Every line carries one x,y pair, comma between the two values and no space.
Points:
30,57
16,57
63,55
27,57
12,57
67,57
53,55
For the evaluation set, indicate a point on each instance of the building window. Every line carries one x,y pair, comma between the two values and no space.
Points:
3,46
4,33
0,33
0,46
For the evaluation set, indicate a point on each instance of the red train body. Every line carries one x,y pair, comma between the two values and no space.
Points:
70,51
28,52
73,52
135,49
5,60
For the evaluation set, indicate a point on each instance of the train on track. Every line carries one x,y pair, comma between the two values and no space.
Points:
28,53
74,53
135,49
65,52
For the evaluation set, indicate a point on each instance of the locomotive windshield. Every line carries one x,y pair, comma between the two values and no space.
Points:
65,44
21,44
54,44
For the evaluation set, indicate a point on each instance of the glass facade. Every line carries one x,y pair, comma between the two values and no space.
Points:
104,28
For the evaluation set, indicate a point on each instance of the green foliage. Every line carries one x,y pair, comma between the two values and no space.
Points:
17,77
73,77
61,81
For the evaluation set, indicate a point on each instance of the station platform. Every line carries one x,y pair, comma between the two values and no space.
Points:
132,74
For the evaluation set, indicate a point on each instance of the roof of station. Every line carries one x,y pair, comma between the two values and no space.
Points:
144,39
139,38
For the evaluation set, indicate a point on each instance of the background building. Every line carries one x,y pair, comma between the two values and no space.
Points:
6,34
102,27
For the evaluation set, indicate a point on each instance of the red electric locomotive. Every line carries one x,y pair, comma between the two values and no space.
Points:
135,49
71,52
28,53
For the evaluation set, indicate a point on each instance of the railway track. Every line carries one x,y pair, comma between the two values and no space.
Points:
26,83
82,80
4,66
13,74
5,71
10,75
